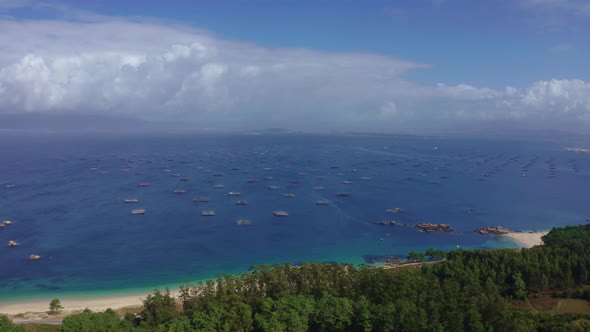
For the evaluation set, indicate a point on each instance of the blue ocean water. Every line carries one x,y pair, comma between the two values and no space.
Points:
64,194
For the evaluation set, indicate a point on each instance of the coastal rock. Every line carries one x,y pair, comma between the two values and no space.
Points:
391,222
427,227
492,230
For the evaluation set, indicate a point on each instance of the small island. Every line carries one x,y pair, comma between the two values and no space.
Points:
428,227
498,230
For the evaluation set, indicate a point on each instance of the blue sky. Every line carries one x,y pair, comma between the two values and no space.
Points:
475,61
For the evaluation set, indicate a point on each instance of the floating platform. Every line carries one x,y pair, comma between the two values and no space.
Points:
13,244
131,200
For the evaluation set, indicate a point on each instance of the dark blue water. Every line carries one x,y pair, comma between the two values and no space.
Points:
65,196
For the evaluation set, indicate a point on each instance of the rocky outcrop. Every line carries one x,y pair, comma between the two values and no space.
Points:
427,227
492,230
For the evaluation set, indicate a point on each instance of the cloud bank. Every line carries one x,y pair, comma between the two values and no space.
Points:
165,72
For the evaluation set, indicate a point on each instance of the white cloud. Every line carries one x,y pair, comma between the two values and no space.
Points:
162,71
389,109
554,99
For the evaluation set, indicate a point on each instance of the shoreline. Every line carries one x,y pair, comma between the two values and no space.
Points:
37,308
526,239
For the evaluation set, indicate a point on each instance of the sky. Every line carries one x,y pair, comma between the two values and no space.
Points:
407,65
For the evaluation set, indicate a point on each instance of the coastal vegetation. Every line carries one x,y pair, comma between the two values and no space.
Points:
55,306
544,288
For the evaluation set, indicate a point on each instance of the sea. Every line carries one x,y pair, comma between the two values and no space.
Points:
64,194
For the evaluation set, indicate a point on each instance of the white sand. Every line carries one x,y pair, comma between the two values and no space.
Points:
527,240
97,303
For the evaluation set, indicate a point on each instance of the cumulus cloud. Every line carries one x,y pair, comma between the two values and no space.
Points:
554,99
168,72
159,71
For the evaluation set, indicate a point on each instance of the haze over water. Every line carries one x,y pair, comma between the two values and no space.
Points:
64,194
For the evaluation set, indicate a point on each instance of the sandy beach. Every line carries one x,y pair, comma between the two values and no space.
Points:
95,303
37,309
527,239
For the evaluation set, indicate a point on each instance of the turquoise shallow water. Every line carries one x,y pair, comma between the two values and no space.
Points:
65,196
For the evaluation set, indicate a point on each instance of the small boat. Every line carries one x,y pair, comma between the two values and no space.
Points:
219,186
241,202
347,182
252,181
179,191
268,177
6,222
280,213
13,244
144,184
34,257
201,199
322,202
273,187
131,200
207,213
394,210
343,194
185,179
138,211
366,178
318,188
341,174
243,222
234,193
175,174
289,195
296,181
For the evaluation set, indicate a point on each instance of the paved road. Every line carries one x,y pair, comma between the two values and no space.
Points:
414,264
